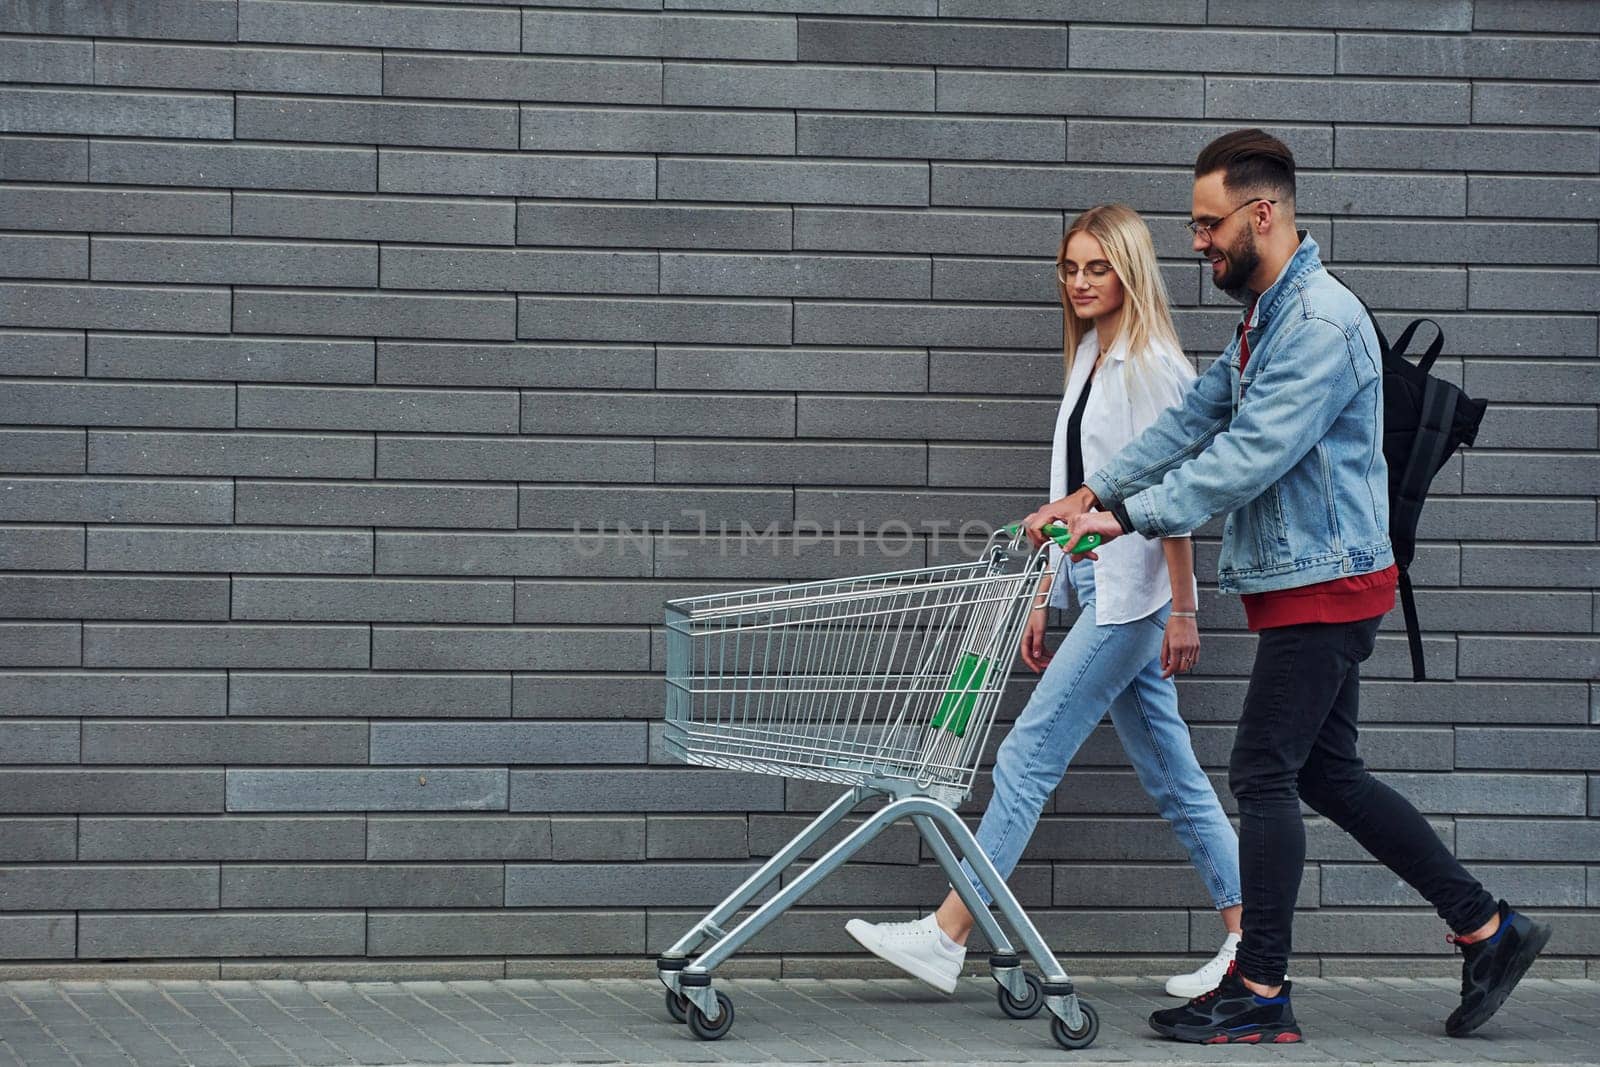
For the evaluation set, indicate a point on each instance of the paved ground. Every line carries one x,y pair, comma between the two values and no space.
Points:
171,1023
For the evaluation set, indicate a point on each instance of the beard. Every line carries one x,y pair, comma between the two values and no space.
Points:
1243,257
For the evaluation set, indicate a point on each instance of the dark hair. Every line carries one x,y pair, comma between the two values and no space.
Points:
1251,161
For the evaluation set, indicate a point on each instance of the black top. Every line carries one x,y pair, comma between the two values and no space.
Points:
1075,438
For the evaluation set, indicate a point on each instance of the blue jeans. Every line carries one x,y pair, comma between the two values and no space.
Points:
1116,667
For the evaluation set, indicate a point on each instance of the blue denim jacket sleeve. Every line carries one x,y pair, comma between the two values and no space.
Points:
1180,433
1293,399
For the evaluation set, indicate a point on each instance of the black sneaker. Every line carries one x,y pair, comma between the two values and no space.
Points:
1230,1014
1491,969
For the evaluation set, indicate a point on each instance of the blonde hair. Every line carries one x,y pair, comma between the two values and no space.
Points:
1146,315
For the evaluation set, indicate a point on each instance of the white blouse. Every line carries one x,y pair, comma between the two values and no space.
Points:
1130,577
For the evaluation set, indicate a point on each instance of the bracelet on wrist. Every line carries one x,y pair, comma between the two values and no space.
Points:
1183,615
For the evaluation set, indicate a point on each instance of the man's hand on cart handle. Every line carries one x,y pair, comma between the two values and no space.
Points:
1060,512
1101,524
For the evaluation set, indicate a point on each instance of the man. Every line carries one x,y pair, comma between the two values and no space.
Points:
1283,434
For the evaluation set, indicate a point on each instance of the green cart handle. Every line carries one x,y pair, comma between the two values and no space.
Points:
1061,535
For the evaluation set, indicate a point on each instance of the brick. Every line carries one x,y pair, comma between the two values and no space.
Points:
1177,143
956,44
279,933
1537,105
39,840
1454,149
531,554
1009,280
234,358
1543,198
773,463
645,319
371,694
162,791
1373,886
1412,15
44,159
129,259
654,226
114,210
38,937
654,414
633,510
1383,194
820,7
655,130
383,122
115,500
115,307
361,885
794,181
516,365
90,694
1344,101
38,59
512,458
953,232
954,324
586,81
657,791
456,410
378,25
1168,11
1535,289
600,603
893,511
220,838
110,741
117,404
899,843
1460,793
156,645
670,837
988,467
1537,566
235,165
794,275
414,219
1526,840
1541,748
1532,381
166,887
513,269
41,353
610,885
1457,241
838,88
41,548
362,789
1077,94
927,418
978,185
207,116
1512,611
1476,56
1517,656
388,504
1560,474
887,370
209,20
383,314
431,933
40,256
235,68
370,600
1538,427
30,741
585,696
444,837
231,454
113,597
686,36
601,837
825,134
40,644
520,648
1485,519
1522,15
43,451
1126,48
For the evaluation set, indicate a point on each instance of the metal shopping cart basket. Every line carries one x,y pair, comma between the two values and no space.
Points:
885,684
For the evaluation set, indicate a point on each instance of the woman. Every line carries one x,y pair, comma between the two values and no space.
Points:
1136,629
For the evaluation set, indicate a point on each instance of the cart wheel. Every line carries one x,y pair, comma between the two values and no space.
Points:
677,1006
1082,1037
711,1029
1028,1006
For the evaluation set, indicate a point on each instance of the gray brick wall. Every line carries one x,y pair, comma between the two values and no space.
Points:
335,337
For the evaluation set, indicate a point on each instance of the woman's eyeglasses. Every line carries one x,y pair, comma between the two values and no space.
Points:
1094,272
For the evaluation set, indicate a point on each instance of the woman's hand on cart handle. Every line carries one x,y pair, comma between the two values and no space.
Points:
1060,512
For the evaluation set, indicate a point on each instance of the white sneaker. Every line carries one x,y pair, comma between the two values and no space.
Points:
918,948
1209,976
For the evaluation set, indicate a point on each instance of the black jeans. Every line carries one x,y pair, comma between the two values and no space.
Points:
1297,741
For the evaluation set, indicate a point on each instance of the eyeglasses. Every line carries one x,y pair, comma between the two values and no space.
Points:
1095,271
1203,227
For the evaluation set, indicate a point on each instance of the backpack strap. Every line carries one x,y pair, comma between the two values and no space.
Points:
1428,449
1400,346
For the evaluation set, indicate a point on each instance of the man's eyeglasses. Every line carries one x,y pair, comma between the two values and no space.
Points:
1095,271
1203,227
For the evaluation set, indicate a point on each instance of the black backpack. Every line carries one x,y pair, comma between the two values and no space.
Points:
1425,419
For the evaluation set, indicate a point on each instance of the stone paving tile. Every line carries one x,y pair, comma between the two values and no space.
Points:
137,1023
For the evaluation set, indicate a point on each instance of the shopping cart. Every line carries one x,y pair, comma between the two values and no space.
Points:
885,684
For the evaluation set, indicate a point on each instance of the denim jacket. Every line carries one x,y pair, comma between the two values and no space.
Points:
1292,450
